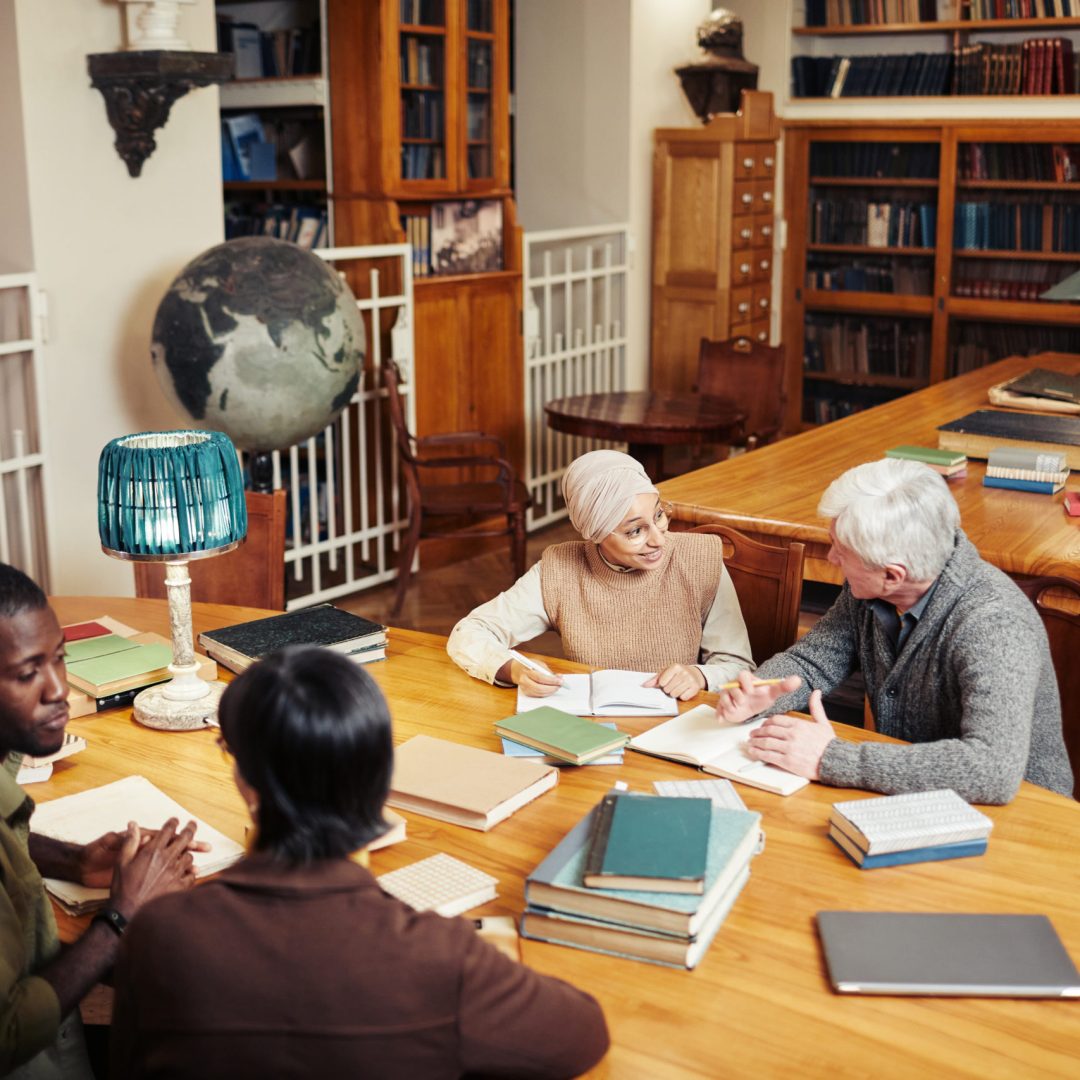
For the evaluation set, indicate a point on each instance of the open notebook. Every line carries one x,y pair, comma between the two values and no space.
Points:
697,738
605,693
81,818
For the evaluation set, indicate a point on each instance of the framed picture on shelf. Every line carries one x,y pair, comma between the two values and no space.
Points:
466,236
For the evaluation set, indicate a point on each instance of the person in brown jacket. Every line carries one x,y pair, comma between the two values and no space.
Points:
294,963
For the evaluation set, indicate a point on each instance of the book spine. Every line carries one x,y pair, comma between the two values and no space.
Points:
1020,485
1037,476
937,853
598,834
1019,458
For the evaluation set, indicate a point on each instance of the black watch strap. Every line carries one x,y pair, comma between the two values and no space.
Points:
112,919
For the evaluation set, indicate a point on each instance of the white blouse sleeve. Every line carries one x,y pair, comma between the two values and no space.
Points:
725,646
481,642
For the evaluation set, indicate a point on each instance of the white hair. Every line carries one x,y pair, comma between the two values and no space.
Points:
894,511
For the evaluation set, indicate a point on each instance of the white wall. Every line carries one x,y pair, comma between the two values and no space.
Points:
593,80
16,252
105,248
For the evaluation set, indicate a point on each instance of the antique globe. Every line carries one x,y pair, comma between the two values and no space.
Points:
260,339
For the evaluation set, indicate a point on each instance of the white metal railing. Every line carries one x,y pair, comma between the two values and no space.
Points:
575,296
346,506
24,540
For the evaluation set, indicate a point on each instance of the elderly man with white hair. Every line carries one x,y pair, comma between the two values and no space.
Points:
628,595
954,656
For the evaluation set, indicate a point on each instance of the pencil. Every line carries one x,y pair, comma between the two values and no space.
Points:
757,682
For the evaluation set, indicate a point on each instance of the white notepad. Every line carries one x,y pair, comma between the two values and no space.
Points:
441,884
721,792
605,693
697,738
84,817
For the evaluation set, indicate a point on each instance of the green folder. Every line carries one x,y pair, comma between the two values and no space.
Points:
560,734
138,660
103,645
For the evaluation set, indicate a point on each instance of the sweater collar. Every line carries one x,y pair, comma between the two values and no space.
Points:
262,873
630,578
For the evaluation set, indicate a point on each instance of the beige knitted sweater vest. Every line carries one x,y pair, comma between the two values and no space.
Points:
640,621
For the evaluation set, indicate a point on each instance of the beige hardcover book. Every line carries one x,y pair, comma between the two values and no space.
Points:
464,785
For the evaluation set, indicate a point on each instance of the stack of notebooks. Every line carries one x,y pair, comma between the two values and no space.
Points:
239,646
643,877
558,737
108,663
81,818
924,826
950,463
1020,469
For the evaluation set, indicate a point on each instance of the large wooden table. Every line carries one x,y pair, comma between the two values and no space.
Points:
774,491
759,1004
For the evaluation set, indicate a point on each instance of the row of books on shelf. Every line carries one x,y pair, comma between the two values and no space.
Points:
858,220
418,235
269,54
285,148
1039,66
869,12
422,161
1006,280
976,344
421,60
896,347
478,119
422,114
823,407
875,160
422,12
1019,9
1035,66
910,277
985,225
1023,161
306,226
478,15
478,66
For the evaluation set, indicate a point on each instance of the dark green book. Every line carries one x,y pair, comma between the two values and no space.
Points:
649,843
561,735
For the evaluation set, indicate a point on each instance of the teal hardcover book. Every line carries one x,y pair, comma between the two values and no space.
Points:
561,735
649,843
558,882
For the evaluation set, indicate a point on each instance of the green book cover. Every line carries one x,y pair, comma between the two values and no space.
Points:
88,648
653,838
138,660
926,454
561,734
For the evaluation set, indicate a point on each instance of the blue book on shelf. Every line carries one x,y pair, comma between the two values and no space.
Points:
936,853
1040,487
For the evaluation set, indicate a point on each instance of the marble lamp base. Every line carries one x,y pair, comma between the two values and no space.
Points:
156,710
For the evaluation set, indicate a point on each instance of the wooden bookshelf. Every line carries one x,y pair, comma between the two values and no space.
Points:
432,79
962,331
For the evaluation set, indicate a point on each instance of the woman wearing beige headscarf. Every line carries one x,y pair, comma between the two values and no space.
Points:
629,595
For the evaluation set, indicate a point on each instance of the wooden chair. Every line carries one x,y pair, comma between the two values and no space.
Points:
252,576
751,376
768,581
1063,630
453,508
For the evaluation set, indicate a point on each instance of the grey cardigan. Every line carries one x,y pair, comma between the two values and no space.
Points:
973,687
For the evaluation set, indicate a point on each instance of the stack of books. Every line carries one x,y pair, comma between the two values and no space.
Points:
239,646
950,463
38,769
560,738
643,877
924,826
1022,469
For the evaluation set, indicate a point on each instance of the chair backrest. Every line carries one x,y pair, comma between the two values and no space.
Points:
1063,630
390,378
252,576
751,376
768,581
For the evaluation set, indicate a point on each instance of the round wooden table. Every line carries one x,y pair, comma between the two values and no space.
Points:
647,421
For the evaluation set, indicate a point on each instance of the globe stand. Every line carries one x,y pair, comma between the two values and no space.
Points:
261,464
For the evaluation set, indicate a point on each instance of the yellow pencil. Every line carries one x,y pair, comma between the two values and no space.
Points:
757,682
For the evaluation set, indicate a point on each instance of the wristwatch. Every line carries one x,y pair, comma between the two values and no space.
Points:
112,919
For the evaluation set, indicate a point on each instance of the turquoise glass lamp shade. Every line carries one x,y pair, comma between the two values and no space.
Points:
173,496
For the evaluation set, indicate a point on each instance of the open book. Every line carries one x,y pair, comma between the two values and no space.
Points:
605,693
697,738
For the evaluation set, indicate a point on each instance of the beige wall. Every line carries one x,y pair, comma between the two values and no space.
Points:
105,248
16,253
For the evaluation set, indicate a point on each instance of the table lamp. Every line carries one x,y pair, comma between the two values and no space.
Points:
173,496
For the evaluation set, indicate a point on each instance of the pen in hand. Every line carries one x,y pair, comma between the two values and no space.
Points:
532,665
735,685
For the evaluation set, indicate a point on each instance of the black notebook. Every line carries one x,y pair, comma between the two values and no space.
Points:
239,646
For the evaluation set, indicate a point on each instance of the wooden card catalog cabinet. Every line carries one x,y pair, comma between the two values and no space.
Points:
713,223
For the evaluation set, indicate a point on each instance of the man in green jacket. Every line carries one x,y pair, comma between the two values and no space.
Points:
40,984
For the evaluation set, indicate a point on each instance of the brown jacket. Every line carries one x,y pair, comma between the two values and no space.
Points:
275,972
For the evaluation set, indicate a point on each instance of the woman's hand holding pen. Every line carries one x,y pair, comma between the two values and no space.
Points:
534,679
752,696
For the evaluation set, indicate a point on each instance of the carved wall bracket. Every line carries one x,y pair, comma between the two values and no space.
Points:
139,90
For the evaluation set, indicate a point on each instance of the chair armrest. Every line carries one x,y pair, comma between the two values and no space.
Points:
506,470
